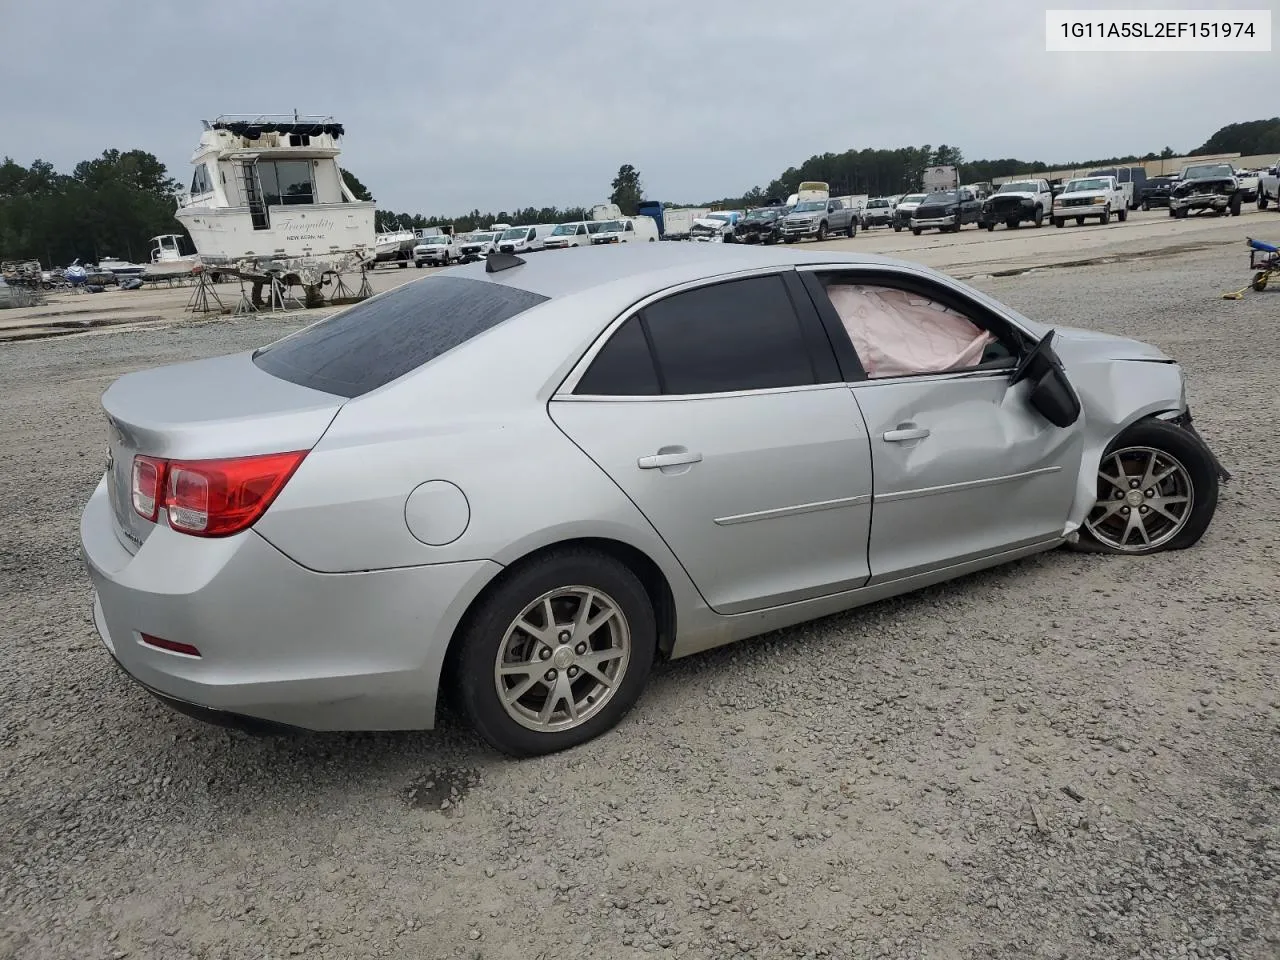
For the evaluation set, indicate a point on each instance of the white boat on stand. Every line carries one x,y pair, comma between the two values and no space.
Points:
395,245
268,202
171,259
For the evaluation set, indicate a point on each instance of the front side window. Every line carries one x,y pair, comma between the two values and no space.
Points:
898,332
738,335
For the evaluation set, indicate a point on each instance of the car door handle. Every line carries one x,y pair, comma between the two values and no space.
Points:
905,432
659,460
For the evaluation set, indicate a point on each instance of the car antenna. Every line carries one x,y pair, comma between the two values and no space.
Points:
496,261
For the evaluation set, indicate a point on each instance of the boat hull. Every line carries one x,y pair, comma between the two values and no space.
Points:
304,241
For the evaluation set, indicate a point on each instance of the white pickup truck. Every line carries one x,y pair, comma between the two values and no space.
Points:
438,251
1088,197
1269,187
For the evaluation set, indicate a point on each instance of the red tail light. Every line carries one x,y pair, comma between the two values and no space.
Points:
211,498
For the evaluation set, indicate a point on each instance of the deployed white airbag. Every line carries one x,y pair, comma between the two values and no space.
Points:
897,333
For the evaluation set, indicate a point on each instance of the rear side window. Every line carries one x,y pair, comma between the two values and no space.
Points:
377,341
738,335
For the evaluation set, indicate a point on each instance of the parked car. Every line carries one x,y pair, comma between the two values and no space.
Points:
947,211
477,245
626,230
818,219
761,225
570,235
1269,188
438,251
1017,202
904,208
715,227
324,532
1156,191
526,239
1206,186
878,212
1248,183
1088,197
1130,180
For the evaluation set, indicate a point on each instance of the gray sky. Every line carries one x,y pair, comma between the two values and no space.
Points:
498,104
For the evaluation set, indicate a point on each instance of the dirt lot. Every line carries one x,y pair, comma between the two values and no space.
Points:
1070,757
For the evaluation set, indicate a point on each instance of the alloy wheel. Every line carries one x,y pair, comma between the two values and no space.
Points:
1144,500
562,659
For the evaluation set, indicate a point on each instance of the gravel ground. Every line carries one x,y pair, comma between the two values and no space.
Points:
1072,756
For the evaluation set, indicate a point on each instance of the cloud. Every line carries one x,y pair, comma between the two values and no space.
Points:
495,105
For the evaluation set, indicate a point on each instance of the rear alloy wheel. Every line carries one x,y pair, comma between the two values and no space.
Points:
1157,490
557,654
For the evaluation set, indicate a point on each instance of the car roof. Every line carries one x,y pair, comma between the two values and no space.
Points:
665,264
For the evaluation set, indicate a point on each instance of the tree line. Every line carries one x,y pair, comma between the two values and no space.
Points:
109,206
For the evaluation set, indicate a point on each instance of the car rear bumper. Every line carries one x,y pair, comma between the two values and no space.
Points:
277,642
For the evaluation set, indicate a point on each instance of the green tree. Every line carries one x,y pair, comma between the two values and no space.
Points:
1247,139
627,190
358,189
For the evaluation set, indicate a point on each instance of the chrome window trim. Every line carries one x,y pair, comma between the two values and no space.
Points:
570,383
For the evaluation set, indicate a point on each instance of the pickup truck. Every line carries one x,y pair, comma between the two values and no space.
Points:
438,251
478,245
1206,186
1017,201
1269,188
818,219
877,213
947,210
1088,197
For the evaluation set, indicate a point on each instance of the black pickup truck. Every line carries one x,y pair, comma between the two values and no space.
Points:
948,211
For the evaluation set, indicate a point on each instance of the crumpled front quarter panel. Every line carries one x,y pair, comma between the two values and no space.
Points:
1116,390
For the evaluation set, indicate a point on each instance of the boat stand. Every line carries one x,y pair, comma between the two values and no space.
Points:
366,289
282,296
201,296
246,307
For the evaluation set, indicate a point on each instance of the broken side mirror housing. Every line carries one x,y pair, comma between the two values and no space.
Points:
1054,398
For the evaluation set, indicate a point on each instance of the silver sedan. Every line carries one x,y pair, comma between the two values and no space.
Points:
518,483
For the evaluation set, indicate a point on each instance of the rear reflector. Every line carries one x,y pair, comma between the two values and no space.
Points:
211,498
173,646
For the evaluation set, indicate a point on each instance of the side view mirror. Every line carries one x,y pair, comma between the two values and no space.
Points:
1052,395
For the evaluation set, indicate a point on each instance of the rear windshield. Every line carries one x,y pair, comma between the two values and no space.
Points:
377,341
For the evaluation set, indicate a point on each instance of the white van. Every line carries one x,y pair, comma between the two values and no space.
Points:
526,239
627,230
569,235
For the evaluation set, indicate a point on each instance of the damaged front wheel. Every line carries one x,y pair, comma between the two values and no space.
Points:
1157,490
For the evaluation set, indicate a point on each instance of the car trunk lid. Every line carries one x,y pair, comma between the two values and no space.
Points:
219,407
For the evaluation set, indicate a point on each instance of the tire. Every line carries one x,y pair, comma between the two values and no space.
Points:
1059,222
897,228
1079,221
418,264
1262,201
1039,217
1180,213
853,229
822,231
1106,216
916,231
1146,206
991,228
1012,224
1123,215
1190,492
1234,205
1259,282
563,577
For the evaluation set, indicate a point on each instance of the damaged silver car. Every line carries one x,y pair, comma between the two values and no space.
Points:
517,484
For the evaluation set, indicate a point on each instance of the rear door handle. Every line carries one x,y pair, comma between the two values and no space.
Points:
660,460
906,433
